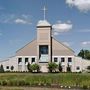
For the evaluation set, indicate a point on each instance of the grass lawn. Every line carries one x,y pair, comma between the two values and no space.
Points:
47,79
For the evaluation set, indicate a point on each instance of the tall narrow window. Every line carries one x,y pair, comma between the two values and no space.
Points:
33,60
69,59
62,59
26,60
19,60
55,59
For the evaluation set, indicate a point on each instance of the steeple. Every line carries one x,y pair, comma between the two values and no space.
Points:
44,32
43,22
44,9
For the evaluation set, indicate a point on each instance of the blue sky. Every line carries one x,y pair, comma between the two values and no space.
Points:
18,18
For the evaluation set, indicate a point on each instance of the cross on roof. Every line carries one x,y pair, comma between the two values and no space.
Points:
44,9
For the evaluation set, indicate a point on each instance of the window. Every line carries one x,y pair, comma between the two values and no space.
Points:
78,68
7,67
19,60
69,59
43,49
26,60
55,59
33,60
62,59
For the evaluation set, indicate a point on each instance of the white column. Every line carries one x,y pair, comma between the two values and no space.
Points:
23,64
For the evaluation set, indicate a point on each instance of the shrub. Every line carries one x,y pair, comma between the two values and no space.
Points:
8,71
1,68
12,67
29,67
52,67
35,68
68,68
60,67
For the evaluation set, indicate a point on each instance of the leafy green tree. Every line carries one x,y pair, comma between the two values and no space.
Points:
85,54
29,67
52,67
1,68
60,67
35,68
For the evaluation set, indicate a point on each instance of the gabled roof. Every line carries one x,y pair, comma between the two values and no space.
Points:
64,45
25,45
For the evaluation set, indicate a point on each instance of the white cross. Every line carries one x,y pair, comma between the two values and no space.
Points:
44,9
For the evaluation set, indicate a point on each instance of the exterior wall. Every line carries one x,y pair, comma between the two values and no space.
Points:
14,62
10,62
43,67
43,34
23,65
77,65
65,63
44,38
76,62
85,63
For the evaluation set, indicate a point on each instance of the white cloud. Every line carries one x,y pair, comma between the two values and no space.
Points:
17,19
62,27
21,21
55,33
82,5
86,43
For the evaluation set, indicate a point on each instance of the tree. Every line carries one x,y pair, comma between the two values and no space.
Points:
60,67
29,67
52,67
85,54
1,68
35,68
12,67
68,68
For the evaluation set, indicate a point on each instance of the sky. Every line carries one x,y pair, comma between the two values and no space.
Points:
70,20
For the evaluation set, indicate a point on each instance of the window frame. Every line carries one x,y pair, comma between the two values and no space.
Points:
62,59
19,60
26,59
32,59
56,59
69,59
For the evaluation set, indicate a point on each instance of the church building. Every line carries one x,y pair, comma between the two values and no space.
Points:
43,50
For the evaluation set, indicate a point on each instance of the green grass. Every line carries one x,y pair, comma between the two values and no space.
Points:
37,79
